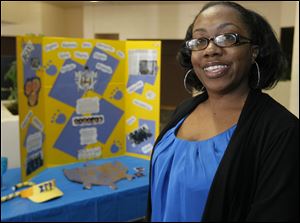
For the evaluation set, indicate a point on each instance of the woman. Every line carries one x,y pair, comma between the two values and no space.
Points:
230,153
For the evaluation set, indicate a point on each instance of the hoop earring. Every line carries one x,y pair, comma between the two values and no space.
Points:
258,75
184,81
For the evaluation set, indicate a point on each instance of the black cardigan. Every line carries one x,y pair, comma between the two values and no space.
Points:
258,177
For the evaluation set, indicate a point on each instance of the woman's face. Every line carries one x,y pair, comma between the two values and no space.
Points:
222,70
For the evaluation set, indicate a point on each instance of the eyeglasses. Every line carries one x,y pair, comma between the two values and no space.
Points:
223,40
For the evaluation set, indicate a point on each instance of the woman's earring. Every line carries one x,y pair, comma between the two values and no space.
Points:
258,75
184,81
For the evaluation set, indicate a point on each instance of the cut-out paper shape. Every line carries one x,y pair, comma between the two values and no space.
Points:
58,118
88,120
81,55
88,154
69,45
104,68
87,105
88,136
51,70
121,54
136,86
100,56
105,47
142,104
115,147
150,95
38,124
149,79
116,94
106,174
147,148
26,119
87,45
131,120
51,46
68,68
64,55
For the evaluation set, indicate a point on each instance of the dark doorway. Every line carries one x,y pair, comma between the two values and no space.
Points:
286,42
113,36
8,59
172,75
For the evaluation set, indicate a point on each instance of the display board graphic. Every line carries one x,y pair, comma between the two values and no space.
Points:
82,99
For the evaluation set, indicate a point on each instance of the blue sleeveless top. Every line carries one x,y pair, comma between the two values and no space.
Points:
182,173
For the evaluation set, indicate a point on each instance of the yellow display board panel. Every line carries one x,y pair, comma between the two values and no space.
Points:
82,99
143,96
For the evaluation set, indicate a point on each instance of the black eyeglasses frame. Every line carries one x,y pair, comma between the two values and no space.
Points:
237,37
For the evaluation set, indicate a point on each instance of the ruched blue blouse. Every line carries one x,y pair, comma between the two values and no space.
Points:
182,173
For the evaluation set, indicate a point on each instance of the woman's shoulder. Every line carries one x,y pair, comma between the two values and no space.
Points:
264,115
274,116
277,111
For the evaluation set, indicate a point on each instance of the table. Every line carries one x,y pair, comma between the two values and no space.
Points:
128,202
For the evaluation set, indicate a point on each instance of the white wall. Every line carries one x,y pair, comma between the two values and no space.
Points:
153,20
74,22
28,17
53,20
20,18
294,92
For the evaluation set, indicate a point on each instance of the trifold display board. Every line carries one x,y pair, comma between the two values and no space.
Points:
82,99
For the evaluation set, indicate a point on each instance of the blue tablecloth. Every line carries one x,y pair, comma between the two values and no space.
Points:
101,203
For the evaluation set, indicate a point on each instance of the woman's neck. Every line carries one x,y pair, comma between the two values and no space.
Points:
231,101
